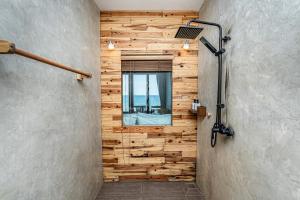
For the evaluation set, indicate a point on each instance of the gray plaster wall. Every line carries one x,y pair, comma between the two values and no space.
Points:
263,160
49,122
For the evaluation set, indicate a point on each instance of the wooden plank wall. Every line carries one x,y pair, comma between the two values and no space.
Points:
161,153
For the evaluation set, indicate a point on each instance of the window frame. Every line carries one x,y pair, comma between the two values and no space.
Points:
147,99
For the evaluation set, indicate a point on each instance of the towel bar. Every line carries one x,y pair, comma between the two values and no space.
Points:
9,48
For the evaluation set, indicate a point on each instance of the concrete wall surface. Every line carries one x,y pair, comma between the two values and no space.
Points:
49,122
262,101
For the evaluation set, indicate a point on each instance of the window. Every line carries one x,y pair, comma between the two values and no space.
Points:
146,93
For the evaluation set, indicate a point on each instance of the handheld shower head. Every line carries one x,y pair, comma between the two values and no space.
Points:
208,45
188,32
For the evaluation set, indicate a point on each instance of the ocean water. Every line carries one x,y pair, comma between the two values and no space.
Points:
140,100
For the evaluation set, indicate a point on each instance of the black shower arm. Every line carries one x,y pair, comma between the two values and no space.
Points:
211,24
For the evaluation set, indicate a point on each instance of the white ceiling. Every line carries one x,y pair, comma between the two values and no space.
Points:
149,5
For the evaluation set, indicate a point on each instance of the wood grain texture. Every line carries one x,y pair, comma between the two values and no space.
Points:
160,153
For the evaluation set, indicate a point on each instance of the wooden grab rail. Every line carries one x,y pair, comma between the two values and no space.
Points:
9,48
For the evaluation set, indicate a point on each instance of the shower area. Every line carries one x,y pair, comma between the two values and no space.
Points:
149,100
156,145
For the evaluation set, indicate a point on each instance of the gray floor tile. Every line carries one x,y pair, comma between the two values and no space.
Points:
119,198
193,192
190,185
195,198
164,198
150,191
163,189
121,189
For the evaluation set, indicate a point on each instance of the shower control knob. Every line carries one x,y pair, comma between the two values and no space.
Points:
226,38
229,132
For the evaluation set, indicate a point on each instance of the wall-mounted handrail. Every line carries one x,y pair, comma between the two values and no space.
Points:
9,48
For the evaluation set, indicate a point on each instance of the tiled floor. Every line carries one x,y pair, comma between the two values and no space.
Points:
150,191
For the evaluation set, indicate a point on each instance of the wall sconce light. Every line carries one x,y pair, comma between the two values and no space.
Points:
110,45
186,45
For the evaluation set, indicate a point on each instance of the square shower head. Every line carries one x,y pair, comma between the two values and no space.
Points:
188,32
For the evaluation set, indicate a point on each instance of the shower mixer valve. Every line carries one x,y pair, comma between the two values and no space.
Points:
220,128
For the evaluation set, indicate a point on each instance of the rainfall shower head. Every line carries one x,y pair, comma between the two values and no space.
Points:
188,32
208,45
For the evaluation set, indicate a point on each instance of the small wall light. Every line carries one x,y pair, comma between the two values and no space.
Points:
186,45
110,45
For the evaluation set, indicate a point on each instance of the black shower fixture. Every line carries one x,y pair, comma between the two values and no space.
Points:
188,32
208,45
191,32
